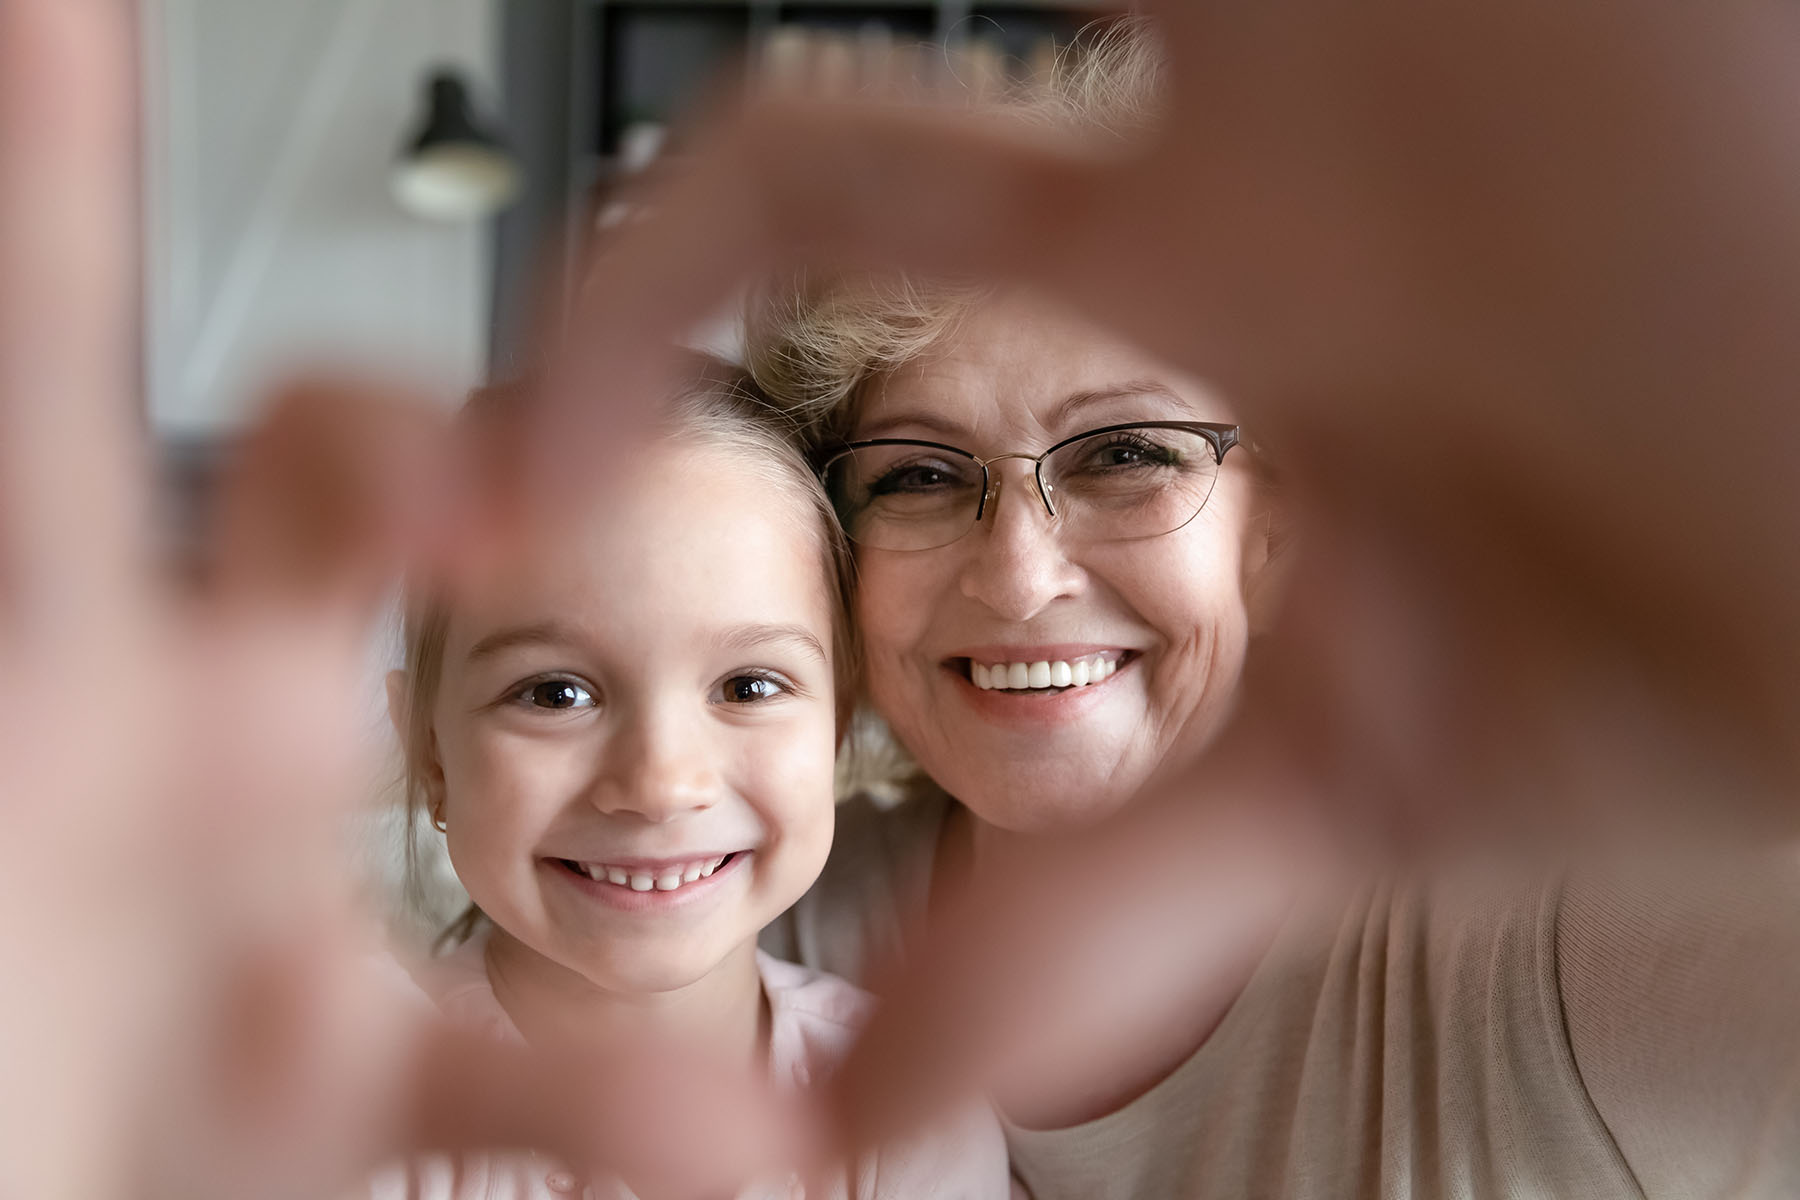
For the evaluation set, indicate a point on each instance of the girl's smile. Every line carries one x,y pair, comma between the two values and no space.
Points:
653,885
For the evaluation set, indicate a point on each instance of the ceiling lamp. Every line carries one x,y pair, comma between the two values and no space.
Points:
453,169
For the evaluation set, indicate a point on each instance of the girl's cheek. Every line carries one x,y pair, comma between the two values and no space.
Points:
794,777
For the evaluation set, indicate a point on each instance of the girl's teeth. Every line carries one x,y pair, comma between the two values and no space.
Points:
667,880
1020,676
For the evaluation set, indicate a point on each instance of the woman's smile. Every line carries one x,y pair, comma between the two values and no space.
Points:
1039,669
1038,705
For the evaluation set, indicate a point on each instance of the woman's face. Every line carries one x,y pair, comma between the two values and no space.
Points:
1167,612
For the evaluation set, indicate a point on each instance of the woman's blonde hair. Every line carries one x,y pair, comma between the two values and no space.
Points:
718,408
815,342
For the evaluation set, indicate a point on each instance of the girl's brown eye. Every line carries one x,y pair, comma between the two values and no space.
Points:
749,689
558,694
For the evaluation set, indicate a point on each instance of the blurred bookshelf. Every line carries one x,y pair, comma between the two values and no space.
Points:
634,69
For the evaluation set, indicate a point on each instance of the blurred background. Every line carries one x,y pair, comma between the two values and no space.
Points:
305,196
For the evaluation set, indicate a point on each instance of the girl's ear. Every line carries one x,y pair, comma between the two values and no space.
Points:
396,704
423,759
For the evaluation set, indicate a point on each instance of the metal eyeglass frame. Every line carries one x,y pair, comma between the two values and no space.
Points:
1219,436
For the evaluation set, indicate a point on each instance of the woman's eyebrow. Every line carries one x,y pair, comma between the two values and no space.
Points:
1072,404
764,636
936,427
541,633
1062,414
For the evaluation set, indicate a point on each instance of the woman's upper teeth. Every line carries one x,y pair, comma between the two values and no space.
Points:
1021,676
663,879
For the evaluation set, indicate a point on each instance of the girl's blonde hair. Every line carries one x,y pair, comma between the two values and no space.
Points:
718,408
816,342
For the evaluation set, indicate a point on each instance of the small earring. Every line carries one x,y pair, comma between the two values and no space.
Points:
437,819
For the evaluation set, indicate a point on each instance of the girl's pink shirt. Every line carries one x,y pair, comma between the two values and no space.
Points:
813,1021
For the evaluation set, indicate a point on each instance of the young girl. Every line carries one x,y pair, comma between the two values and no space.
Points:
626,733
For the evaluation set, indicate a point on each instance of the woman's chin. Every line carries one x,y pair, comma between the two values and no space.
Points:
1042,801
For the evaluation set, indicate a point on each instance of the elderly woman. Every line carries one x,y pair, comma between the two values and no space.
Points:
1060,544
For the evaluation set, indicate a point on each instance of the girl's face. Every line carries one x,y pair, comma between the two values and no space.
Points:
636,725
1165,615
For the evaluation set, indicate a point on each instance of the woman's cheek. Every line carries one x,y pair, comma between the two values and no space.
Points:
892,604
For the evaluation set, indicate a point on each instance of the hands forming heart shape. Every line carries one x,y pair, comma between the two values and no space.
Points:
1510,288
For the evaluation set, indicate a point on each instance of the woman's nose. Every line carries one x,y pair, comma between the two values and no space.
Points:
656,767
1017,564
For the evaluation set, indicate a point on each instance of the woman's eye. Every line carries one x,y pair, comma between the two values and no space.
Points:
915,477
556,694
1133,452
750,689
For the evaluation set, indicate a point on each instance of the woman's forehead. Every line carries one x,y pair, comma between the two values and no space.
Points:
1019,368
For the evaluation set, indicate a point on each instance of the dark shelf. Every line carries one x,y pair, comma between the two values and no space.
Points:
655,60
917,21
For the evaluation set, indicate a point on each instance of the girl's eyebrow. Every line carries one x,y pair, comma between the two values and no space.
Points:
761,636
541,633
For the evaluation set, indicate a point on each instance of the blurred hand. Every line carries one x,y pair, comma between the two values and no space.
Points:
192,1006
1470,276
1507,292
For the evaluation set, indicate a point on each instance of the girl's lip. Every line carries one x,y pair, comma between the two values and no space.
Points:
628,900
652,866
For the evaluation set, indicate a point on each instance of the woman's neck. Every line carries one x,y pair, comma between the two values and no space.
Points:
723,1015
1240,930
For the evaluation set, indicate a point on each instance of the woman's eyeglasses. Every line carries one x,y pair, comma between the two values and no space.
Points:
1116,482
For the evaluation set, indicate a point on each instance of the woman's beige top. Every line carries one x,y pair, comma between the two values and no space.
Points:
1637,1038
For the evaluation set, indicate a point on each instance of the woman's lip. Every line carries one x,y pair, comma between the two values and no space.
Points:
1062,651
1027,710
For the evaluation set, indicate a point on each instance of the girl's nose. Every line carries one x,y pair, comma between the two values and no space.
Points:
1016,564
658,769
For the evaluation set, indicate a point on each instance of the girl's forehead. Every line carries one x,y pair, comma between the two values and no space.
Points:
672,541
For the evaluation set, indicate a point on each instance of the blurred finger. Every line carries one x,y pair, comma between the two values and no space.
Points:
326,498
666,1122
71,471
851,185
1091,945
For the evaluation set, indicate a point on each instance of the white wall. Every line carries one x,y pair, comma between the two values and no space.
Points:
271,238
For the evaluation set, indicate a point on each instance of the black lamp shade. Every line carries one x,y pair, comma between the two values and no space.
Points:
452,169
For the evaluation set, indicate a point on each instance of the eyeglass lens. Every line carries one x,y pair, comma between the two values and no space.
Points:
1124,483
